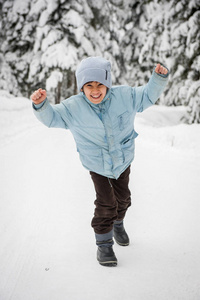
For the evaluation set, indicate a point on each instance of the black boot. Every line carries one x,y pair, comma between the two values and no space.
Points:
120,235
106,256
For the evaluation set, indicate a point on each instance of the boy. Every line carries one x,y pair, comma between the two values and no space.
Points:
101,119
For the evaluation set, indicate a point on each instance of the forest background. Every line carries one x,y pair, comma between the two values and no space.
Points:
43,41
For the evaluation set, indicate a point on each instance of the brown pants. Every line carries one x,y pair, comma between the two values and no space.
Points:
113,198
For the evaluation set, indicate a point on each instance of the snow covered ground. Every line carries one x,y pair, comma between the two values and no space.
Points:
47,247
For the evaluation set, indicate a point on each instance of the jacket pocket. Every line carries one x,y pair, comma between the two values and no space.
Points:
128,147
123,120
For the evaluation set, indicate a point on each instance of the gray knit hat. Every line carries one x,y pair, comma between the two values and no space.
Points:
94,69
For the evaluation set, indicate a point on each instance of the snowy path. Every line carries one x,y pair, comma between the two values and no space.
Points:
47,245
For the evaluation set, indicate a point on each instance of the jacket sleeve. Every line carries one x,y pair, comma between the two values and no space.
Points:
52,115
147,95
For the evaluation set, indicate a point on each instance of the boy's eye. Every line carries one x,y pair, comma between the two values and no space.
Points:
90,85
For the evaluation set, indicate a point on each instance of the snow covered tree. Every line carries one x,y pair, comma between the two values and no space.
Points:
45,40
169,32
185,53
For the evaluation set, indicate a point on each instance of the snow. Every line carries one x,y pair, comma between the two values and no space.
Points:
72,18
48,249
21,7
54,78
78,32
50,39
52,6
43,18
56,55
37,6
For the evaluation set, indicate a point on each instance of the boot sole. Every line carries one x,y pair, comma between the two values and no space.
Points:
121,244
108,263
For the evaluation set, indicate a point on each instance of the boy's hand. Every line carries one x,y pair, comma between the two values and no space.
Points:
39,96
160,69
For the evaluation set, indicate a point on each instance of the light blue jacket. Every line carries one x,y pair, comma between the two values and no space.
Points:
104,133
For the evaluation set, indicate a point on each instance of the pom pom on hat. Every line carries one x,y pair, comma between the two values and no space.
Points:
94,69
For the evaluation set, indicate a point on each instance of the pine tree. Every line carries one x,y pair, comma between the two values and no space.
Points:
170,34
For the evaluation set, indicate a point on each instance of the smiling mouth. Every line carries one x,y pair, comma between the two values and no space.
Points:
96,97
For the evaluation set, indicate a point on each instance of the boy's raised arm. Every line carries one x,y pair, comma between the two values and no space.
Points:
49,115
147,95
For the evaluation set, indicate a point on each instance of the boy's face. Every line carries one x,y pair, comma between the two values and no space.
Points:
95,91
